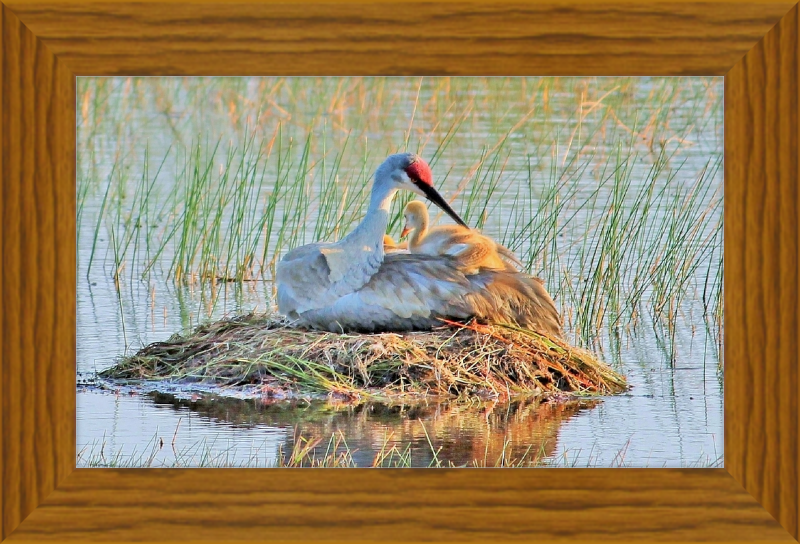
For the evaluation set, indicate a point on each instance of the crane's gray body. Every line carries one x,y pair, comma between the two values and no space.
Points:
352,285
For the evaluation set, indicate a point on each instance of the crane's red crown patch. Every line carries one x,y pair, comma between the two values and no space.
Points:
420,172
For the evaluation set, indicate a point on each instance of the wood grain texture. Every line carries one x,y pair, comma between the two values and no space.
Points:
547,38
2,238
400,505
761,277
38,277
45,44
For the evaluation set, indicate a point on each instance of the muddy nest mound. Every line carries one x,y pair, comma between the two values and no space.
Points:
455,360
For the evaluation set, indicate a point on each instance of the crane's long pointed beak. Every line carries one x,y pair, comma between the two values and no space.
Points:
434,196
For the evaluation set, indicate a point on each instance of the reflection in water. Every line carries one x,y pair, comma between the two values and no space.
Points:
451,433
561,160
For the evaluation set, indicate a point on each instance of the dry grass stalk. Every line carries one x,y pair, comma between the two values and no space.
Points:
494,361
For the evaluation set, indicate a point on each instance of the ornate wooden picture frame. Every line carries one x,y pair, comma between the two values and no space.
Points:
46,44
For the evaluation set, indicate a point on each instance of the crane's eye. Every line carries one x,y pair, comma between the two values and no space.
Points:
420,173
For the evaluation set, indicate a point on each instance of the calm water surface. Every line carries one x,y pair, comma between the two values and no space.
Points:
672,416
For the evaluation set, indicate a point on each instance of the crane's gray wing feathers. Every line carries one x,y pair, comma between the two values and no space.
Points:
409,292
315,276
301,271
412,292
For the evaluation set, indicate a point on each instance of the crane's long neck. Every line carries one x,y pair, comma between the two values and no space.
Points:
358,256
363,247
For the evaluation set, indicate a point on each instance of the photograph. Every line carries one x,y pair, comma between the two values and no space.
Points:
428,272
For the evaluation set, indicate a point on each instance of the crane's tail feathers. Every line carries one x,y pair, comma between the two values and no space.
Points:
518,298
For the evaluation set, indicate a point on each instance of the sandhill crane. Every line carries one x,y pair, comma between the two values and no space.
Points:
471,249
352,285
390,245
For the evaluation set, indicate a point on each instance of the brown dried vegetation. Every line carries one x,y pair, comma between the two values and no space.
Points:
492,361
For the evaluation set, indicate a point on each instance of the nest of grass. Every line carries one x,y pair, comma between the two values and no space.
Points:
458,359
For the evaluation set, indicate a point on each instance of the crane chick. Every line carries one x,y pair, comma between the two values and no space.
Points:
469,247
390,245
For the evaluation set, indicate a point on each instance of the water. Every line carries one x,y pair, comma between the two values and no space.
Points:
673,414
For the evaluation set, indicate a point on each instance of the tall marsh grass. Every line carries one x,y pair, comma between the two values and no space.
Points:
608,188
